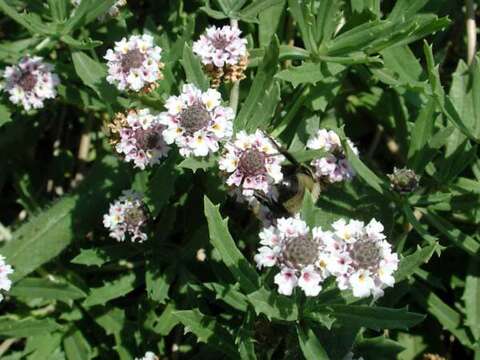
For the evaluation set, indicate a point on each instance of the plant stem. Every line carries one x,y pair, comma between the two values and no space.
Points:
471,31
234,92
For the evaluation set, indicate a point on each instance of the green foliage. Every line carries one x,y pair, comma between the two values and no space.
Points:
388,75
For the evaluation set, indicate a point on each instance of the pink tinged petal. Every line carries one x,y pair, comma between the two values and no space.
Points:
286,281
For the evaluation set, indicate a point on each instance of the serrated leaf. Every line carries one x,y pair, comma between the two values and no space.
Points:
208,330
274,306
37,288
262,83
101,255
193,69
310,73
76,346
229,294
378,348
311,347
221,240
409,264
26,327
112,320
47,234
111,290
195,164
375,318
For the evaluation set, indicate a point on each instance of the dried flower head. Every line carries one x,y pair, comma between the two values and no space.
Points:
404,180
196,121
297,251
5,270
134,64
113,11
127,217
333,167
30,82
137,135
223,53
360,258
253,163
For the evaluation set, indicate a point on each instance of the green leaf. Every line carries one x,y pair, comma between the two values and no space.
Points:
269,20
86,12
101,255
457,237
208,330
157,282
303,16
193,69
31,22
112,320
378,348
27,327
406,8
327,20
247,117
309,72
409,264
274,306
47,234
311,347
93,74
471,296
250,12
363,171
229,294
421,135
5,115
375,318
76,346
36,288
45,345
58,9
221,240
195,164
86,44
111,290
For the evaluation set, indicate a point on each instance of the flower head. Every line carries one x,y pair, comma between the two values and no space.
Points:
223,53
134,64
138,136
298,252
127,217
113,11
404,180
30,82
361,259
5,270
253,162
148,356
333,167
196,121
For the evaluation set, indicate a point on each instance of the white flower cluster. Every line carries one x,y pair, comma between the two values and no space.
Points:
148,356
221,46
356,254
134,64
253,162
333,167
30,82
196,121
140,138
114,9
127,217
360,258
297,252
5,270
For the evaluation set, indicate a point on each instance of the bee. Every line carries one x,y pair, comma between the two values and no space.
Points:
297,178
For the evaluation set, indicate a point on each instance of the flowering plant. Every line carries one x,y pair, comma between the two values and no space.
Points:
249,179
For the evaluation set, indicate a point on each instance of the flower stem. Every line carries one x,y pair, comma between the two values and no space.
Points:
234,92
471,32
